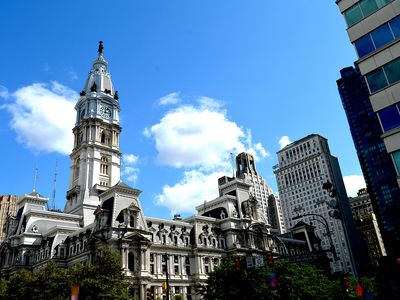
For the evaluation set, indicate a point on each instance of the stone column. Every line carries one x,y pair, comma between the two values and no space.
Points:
158,292
182,265
158,263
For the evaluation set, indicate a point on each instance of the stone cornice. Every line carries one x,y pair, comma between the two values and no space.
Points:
53,215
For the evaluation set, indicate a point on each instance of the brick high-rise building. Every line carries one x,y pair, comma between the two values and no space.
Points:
7,207
366,224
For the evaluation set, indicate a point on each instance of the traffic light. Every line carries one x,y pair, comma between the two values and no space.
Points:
270,259
150,293
164,287
237,264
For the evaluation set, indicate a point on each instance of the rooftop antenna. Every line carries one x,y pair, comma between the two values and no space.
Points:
53,197
35,178
233,165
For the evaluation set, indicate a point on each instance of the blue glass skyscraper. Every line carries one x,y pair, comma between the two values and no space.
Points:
376,163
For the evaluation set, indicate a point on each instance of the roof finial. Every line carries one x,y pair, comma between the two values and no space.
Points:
100,50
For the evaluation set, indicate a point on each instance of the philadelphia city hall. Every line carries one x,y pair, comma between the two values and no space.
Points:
245,220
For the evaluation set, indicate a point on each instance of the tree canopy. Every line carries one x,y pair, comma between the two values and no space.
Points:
102,280
283,280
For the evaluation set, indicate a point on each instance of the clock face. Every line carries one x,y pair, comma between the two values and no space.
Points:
105,112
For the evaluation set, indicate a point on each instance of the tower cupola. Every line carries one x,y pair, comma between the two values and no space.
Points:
99,79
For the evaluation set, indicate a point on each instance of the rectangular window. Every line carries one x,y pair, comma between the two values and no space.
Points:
396,158
376,80
353,15
363,9
392,71
395,26
390,117
368,7
381,36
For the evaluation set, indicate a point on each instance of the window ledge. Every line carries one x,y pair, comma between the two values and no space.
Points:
376,51
390,132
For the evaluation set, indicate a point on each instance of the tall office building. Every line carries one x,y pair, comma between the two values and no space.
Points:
7,208
366,224
246,170
376,163
304,166
374,30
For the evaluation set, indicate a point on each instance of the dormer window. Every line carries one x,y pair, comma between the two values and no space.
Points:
132,221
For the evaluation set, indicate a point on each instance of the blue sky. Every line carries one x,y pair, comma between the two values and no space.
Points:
217,76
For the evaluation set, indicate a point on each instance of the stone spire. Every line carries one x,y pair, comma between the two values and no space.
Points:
99,79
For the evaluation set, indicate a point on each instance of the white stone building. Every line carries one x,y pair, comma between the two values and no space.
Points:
101,209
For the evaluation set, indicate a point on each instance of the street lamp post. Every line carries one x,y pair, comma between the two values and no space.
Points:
166,274
338,213
328,232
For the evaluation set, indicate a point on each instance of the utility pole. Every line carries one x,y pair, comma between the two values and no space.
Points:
35,178
166,273
53,198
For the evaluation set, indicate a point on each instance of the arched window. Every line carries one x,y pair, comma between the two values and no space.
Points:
103,137
104,165
207,268
131,261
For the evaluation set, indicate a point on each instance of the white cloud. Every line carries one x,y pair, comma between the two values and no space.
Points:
199,139
194,137
129,170
209,103
43,116
172,98
259,148
130,158
284,141
130,173
73,75
194,188
3,92
146,132
353,183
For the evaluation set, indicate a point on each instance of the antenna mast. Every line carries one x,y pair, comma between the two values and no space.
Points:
233,165
35,177
53,198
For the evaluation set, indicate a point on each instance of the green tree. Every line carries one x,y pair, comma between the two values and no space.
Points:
103,280
282,281
47,283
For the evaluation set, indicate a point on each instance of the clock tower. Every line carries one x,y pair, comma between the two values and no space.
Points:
95,158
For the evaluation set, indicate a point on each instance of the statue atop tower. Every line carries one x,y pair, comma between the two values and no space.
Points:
100,50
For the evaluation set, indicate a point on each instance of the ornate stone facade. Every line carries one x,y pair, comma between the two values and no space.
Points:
100,209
